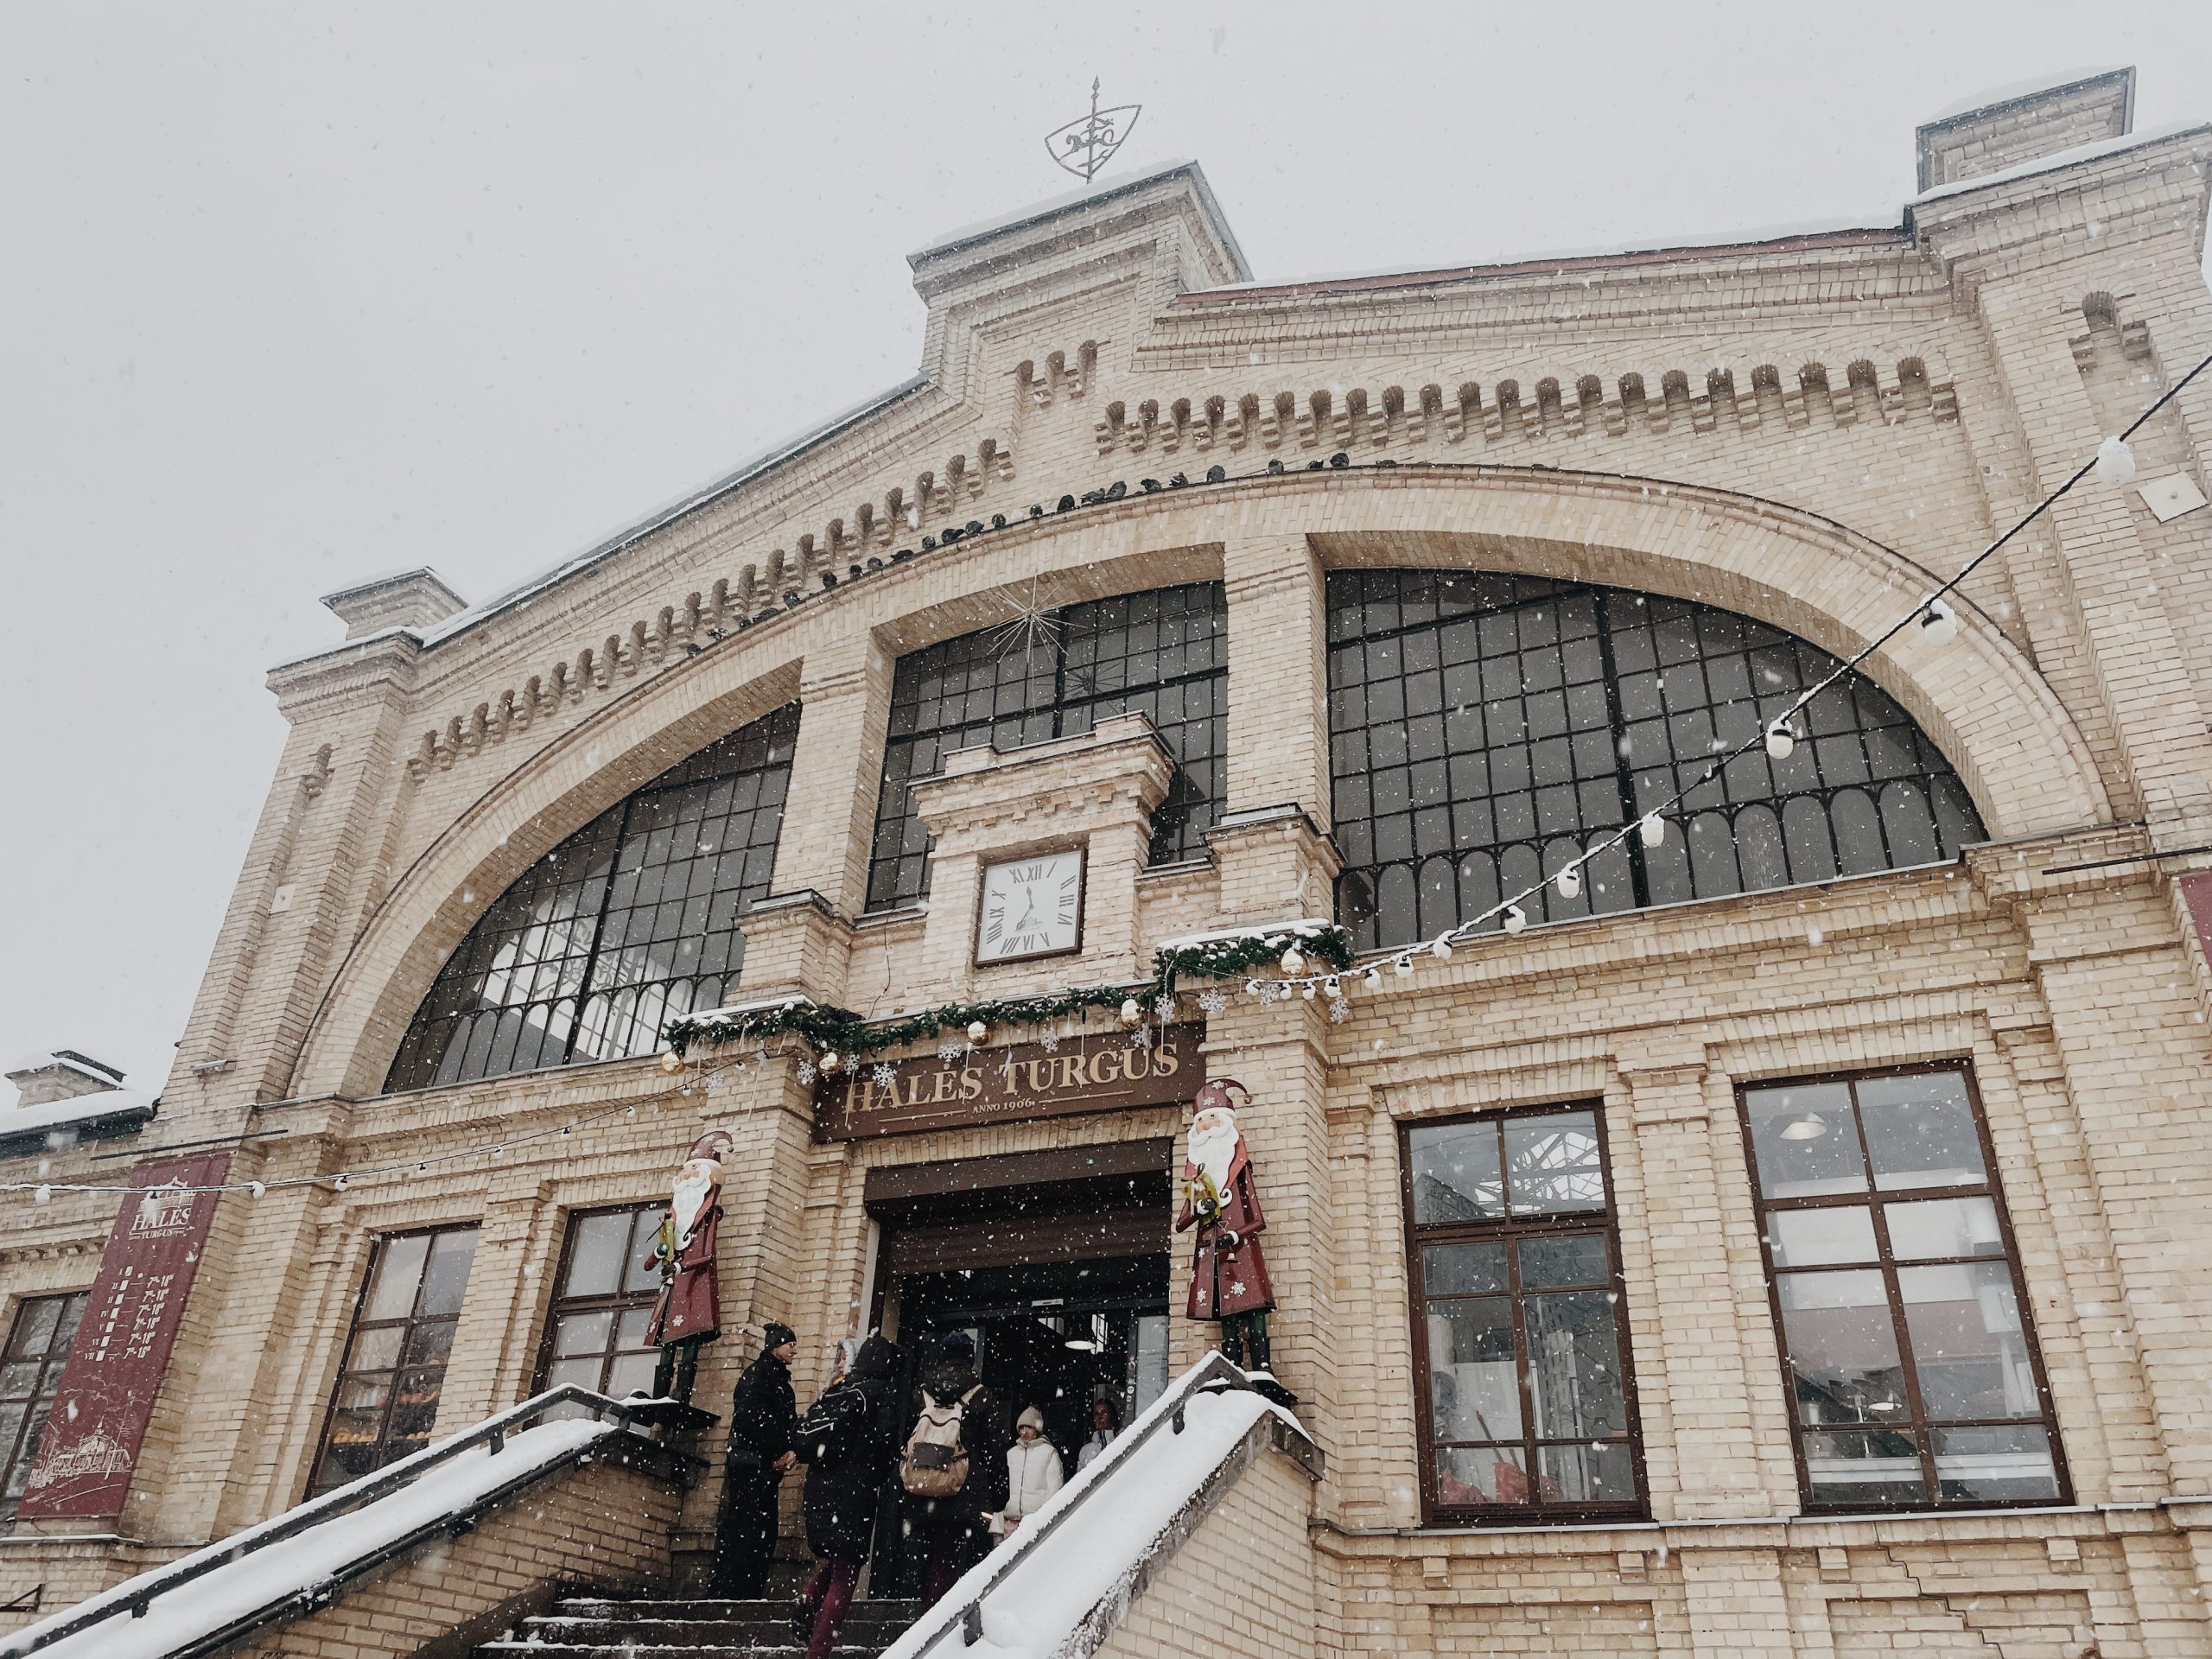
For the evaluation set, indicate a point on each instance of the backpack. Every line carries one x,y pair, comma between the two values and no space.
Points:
935,1462
830,1427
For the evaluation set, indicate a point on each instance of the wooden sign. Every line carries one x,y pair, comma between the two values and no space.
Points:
122,1347
1106,1073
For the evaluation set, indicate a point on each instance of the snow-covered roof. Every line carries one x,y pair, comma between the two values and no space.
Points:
70,1060
660,518
1060,1575
1105,189
266,1578
2013,92
2057,159
73,1113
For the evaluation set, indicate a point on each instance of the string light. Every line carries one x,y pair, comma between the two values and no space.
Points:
1939,623
1781,741
2115,461
1651,829
1569,882
1404,968
1515,918
1441,950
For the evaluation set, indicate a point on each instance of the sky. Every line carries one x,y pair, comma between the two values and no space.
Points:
293,295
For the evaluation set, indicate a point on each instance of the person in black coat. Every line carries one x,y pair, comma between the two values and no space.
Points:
848,1441
956,1531
763,1418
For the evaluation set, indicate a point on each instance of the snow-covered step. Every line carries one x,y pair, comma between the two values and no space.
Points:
597,1627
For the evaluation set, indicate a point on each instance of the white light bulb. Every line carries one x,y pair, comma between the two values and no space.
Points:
1651,828
1515,918
1569,882
2115,463
1781,741
1939,623
1372,979
1293,960
259,1189
42,1193
1308,991
1404,967
341,1181
1441,950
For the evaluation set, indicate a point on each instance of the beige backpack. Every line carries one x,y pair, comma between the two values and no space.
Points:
935,1462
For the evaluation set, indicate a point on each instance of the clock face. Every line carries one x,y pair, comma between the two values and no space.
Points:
1032,907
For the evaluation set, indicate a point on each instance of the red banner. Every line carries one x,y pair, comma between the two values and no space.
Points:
91,1442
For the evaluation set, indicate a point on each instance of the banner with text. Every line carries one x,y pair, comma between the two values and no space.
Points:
1003,1085
92,1438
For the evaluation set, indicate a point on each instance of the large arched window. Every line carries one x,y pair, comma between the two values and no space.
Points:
1485,728
1164,654
628,922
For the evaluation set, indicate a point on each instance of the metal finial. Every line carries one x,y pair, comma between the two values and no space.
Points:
1083,147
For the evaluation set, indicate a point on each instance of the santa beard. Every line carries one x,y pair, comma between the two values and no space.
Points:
693,1191
1213,1150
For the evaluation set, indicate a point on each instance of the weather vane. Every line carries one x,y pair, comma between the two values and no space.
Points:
1083,147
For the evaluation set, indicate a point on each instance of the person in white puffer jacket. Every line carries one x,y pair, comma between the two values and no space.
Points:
1033,1471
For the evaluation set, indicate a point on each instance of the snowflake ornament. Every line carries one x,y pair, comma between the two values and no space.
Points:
1142,1037
1270,993
806,1072
1050,1042
882,1076
1163,1007
1339,1010
1212,1001
955,1048
715,1084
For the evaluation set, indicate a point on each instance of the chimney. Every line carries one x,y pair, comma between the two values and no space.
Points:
2014,124
407,599
63,1075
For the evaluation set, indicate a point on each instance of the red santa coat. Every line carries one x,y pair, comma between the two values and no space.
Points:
688,1307
1224,1280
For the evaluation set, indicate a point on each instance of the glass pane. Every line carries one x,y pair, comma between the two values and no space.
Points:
582,1333
1819,1238
1601,1472
1995,1465
19,1381
1549,1263
1470,1475
1474,1385
1455,1172
1842,1347
447,1277
630,1329
639,1275
630,1374
1920,1131
1864,1466
1805,1141
1574,1367
398,1276
1551,1163
414,1408
1932,1227
429,1342
584,1372
36,1324
1456,1270
595,1261
1967,1347
376,1349
73,1310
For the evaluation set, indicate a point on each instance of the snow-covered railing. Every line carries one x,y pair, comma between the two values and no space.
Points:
200,1612
1048,1592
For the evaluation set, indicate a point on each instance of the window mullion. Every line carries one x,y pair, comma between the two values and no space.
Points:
1617,728
598,932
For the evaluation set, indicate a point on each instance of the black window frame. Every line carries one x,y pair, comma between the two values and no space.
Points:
21,1452
1046,699
1485,728
1878,1199
644,1222
622,924
388,1449
1604,1222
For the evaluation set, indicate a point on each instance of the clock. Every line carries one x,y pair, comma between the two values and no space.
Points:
1030,907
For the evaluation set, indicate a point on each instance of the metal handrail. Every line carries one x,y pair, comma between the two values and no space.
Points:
1211,1373
136,1595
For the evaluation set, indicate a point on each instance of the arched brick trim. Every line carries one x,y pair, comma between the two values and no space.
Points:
2002,727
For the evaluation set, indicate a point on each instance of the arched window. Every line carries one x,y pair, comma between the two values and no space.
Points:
1485,728
1164,654
628,922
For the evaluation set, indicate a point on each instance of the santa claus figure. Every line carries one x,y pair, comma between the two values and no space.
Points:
687,1314
1229,1276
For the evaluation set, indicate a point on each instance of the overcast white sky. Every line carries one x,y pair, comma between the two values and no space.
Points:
294,295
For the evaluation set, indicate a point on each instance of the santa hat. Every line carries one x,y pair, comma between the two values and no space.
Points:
1214,1096
715,1145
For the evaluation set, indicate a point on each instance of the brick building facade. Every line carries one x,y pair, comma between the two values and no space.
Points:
1866,1115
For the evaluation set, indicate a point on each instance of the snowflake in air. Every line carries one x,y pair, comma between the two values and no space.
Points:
1212,1001
882,1076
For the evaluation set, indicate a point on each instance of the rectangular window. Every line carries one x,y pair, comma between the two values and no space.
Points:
1519,1330
30,1372
395,1369
601,1299
1907,1343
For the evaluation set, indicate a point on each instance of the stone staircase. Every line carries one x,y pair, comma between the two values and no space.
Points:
594,1628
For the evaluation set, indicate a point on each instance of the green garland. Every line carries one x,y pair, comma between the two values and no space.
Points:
1327,948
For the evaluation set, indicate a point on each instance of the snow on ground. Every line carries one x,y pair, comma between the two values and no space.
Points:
269,1575
1054,1582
